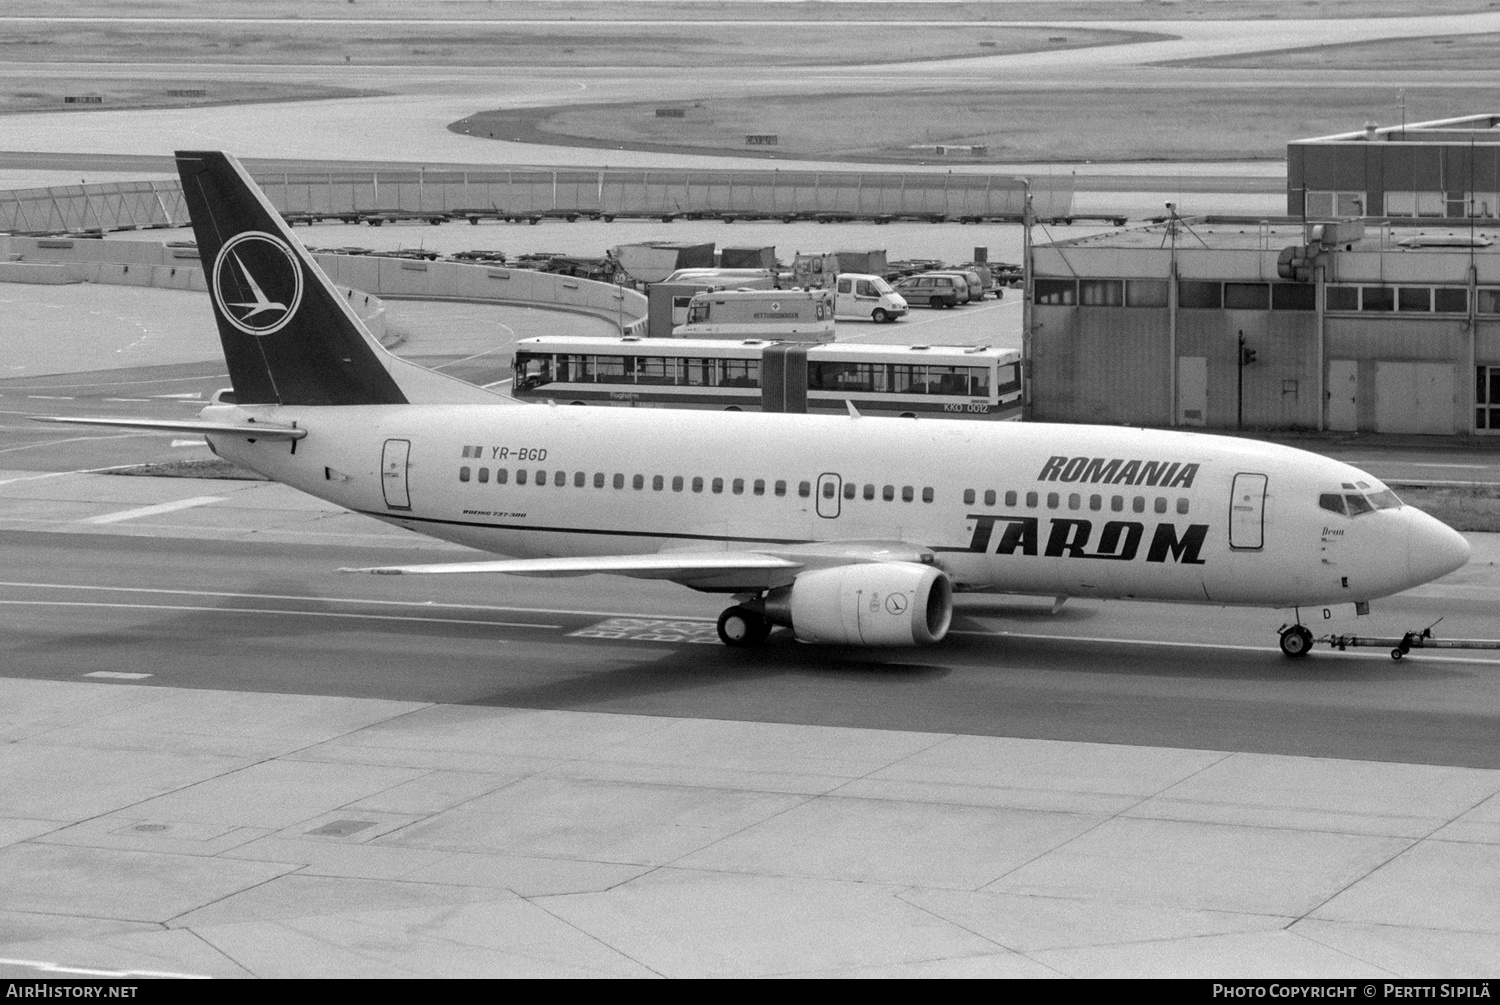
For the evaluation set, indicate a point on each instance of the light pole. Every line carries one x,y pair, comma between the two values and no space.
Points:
1026,294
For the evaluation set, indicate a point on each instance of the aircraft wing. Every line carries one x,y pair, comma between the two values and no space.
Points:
775,566
250,430
722,569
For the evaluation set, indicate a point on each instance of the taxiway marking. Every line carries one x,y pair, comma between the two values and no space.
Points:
279,612
156,510
118,675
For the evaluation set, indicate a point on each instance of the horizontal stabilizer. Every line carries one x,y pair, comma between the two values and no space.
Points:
661,566
249,430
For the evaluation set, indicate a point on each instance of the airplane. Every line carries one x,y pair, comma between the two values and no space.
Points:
851,530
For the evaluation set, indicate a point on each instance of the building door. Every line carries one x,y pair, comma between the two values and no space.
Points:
1192,390
1414,398
393,474
829,486
1343,395
1487,400
1247,512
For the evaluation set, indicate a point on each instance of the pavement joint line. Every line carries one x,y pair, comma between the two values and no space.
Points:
351,600
1197,645
60,474
268,610
79,439
154,510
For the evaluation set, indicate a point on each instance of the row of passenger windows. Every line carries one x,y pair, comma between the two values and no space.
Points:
679,483
1075,501
1207,294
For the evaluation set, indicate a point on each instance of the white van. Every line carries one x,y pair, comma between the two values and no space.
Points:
779,315
860,296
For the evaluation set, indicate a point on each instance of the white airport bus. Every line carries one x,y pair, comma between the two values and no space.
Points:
968,382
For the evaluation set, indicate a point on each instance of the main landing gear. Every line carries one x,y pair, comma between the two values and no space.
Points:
743,627
1296,641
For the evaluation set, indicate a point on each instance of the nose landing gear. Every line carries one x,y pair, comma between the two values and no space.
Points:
1296,641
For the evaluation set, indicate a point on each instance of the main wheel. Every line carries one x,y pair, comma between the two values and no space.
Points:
741,627
880,316
1296,642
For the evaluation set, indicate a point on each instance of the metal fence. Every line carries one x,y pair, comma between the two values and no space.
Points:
526,192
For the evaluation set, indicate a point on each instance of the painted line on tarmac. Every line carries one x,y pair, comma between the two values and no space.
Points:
281,612
1383,655
60,474
158,509
428,604
118,675
81,439
60,968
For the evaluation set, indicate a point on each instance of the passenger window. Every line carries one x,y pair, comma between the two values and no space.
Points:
780,487
718,486
501,476
1161,504
1053,500
598,479
888,493
869,491
676,483
1182,505
927,495
804,489
850,489
828,490
560,479
697,484
907,494
541,477
1332,502
520,476
1074,500
1138,504
619,482
1031,500
658,483
1096,502
739,486
989,497
968,497
463,473
579,479
484,476
759,487
1116,503
638,482
1358,504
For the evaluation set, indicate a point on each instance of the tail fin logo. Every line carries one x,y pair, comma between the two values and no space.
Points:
257,283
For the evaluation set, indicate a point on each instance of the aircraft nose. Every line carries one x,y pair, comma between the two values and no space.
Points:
1434,549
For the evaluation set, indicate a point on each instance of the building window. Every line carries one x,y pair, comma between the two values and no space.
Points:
1325,204
1195,294
1246,296
1341,298
1294,297
1450,300
1487,398
1377,298
1434,204
1146,292
1101,292
1401,204
1414,298
1055,292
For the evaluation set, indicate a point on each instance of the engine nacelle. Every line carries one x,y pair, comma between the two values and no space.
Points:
876,604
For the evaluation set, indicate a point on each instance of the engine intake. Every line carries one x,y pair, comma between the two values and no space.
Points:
876,604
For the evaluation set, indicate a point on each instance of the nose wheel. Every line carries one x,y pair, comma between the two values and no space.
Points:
1296,641
741,627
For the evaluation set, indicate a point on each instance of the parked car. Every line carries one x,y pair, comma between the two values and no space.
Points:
933,290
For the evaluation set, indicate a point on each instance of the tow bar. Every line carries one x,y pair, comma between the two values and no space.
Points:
1406,643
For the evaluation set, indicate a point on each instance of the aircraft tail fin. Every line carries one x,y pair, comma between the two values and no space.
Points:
289,337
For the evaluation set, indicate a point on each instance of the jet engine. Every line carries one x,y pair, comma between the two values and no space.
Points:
876,604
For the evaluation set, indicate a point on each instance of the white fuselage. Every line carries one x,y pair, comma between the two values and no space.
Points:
1023,508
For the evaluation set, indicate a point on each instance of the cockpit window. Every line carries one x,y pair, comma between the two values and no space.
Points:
1385,499
1358,504
1332,502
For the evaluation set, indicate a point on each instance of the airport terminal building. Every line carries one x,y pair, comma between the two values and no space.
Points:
1357,326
